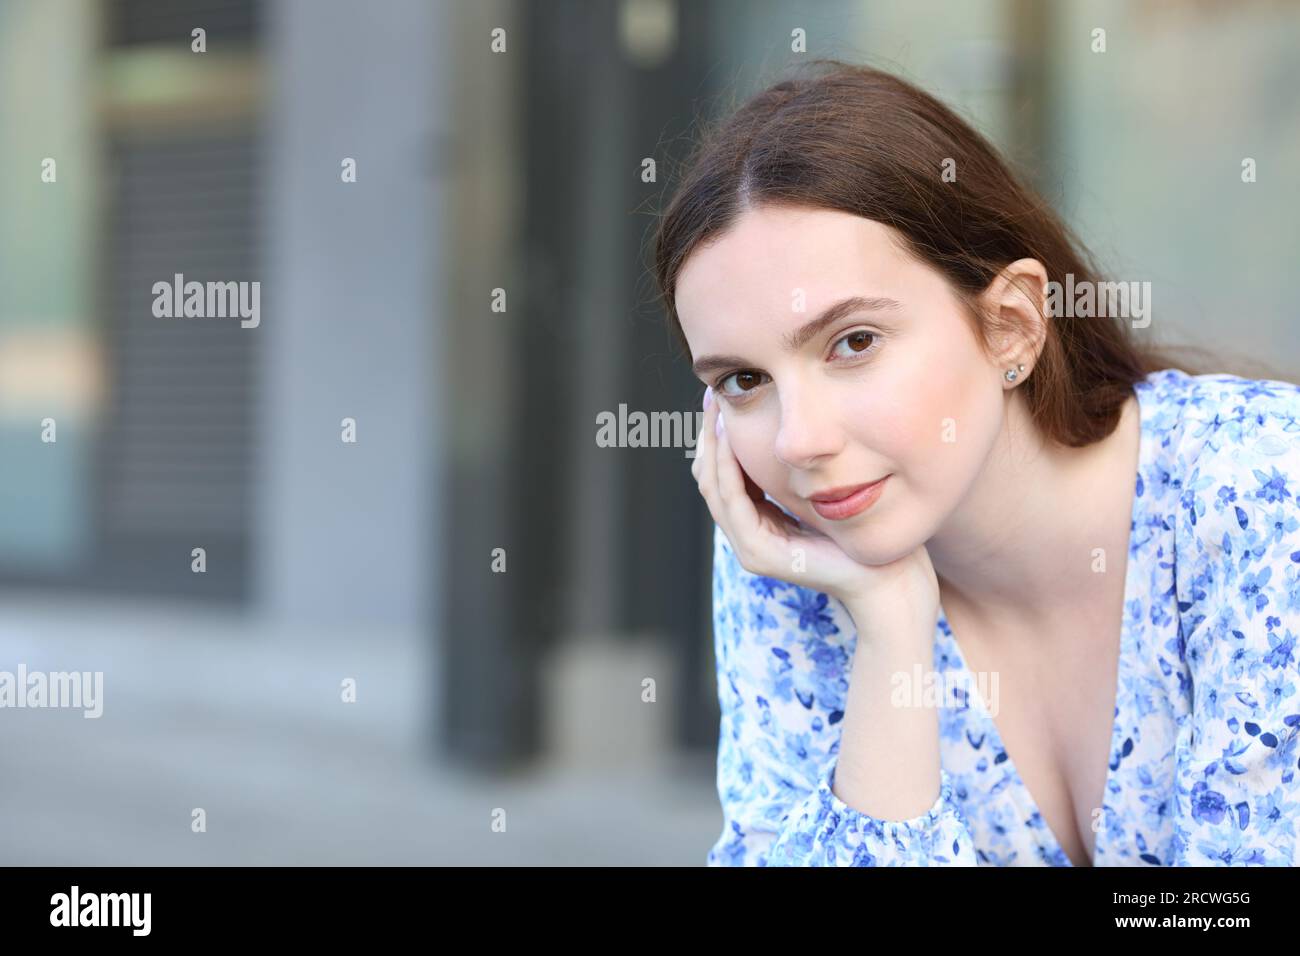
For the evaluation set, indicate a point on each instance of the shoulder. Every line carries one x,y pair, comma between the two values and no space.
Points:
1237,456
1195,414
1236,467
1218,449
1234,406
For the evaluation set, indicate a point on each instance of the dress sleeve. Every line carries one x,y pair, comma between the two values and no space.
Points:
1237,798
783,662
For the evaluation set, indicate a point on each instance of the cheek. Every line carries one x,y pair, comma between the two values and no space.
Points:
752,443
932,418
902,417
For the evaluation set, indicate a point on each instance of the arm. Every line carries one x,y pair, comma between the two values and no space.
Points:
1238,540
784,661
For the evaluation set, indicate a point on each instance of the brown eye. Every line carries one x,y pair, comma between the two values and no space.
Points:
745,382
860,342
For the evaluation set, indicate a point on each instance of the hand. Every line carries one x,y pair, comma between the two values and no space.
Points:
767,541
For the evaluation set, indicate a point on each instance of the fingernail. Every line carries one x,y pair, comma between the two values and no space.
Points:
718,426
708,396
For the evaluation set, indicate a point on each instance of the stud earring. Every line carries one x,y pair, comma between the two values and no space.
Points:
1014,373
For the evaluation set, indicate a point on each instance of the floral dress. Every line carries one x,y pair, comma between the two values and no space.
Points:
1206,735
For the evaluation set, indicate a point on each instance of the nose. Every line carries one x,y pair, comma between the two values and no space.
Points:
809,431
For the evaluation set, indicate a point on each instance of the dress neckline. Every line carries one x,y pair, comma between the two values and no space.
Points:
1051,845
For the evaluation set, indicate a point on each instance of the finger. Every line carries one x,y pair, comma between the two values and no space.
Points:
764,523
703,450
788,525
755,540
704,458
752,489
731,481
766,508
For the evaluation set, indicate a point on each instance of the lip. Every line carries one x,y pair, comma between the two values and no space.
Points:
837,504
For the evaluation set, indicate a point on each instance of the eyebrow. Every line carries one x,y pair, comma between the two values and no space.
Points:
800,336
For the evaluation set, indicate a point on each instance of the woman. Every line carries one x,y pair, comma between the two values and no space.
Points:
993,582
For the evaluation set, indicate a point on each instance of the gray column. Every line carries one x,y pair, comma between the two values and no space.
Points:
350,305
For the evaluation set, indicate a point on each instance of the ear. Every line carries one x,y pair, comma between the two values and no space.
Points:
1015,303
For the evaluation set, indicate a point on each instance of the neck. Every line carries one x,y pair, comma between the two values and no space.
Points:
1022,545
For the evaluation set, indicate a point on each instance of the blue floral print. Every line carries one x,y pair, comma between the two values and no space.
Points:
1205,744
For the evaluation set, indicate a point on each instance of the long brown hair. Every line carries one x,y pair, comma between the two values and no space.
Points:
859,140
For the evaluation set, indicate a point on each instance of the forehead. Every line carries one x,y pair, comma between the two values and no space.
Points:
771,254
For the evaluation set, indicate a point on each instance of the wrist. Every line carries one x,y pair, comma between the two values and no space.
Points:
906,623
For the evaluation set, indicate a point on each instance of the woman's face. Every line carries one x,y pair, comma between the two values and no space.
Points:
894,387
